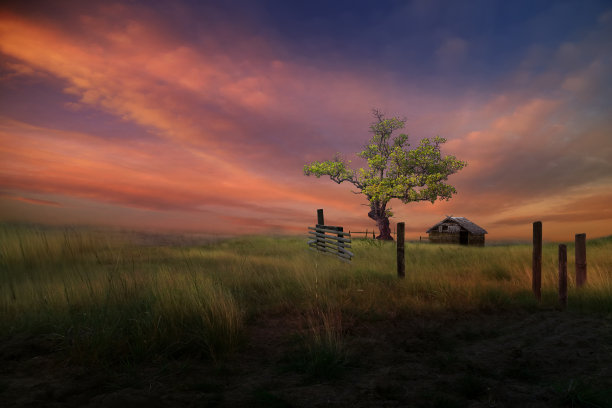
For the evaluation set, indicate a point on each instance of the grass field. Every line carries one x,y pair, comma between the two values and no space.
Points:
236,308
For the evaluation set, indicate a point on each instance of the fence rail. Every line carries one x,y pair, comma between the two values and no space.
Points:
330,239
371,233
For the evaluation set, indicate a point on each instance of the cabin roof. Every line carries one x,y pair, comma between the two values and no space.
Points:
463,222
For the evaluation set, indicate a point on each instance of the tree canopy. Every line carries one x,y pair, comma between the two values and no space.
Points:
394,170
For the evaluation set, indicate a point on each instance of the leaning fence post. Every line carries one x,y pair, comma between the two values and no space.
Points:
581,263
401,265
536,281
562,276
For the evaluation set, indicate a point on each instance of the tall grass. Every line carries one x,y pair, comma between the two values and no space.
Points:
103,298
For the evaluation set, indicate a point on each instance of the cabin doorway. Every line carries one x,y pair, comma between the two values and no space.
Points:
463,237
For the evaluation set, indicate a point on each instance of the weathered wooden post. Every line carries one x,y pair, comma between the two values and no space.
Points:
320,219
581,264
340,243
320,244
401,265
536,281
562,276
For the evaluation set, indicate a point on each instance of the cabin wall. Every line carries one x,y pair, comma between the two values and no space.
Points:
437,237
443,237
476,240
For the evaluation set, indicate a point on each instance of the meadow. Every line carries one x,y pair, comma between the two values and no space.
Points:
233,309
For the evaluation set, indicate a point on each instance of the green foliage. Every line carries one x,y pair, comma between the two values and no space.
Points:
336,169
394,170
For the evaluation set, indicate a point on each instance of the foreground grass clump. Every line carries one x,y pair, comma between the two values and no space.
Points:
104,298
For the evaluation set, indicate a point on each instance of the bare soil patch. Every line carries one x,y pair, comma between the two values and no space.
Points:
519,359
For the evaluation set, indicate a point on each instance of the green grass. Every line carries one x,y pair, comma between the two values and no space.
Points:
103,298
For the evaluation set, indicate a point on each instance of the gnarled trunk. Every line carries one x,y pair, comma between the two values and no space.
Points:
378,213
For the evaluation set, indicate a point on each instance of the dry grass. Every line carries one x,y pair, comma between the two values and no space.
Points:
90,318
104,298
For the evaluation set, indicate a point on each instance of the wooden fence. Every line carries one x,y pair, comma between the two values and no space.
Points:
330,239
367,233
580,264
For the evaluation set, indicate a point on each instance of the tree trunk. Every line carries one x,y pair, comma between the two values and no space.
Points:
378,214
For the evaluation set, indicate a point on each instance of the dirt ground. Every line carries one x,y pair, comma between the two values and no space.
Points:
521,359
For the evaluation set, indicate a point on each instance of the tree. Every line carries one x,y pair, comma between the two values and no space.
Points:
394,170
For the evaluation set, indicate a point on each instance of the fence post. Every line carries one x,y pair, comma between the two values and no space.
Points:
581,263
320,222
536,281
401,265
562,276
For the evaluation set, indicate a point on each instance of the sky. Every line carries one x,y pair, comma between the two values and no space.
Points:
199,116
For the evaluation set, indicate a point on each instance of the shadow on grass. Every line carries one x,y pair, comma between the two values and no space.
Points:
582,393
318,361
264,398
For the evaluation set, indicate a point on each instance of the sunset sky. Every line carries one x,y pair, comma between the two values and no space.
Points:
200,115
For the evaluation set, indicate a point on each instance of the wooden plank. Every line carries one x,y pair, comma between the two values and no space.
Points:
331,231
339,254
343,256
331,240
320,219
335,248
332,228
320,244
331,237
326,230
349,253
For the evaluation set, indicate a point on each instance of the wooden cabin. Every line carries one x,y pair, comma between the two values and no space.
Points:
457,230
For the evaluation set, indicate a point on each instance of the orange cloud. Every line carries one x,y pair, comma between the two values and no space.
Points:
32,200
139,174
132,71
